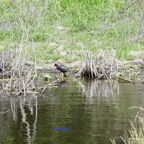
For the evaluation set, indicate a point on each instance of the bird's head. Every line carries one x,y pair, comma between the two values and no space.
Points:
55,65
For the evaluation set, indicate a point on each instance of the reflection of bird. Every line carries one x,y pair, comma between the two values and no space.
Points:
61,68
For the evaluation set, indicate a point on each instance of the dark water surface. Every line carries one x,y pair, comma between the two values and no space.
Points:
76,112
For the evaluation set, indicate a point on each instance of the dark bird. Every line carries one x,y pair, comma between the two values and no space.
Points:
61,68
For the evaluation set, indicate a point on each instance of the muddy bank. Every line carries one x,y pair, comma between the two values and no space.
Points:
19,75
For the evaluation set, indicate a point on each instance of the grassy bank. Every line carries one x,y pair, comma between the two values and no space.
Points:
53,26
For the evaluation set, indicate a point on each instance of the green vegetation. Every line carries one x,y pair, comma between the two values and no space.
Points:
136,133
72,25
52,30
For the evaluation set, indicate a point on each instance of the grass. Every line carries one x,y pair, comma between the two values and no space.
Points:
95,23
86,25
136,134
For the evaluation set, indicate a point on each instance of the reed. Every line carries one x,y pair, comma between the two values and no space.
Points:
15,76
101,66
136,134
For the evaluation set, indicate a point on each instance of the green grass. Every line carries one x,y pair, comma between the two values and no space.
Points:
86,21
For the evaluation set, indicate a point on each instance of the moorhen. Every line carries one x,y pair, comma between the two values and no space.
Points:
61,68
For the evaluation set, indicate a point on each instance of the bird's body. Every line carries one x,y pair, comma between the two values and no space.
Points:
61,68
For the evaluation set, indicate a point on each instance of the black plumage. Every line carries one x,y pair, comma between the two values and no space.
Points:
61,68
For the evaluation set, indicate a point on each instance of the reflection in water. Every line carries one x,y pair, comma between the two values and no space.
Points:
93,111
101,89
26,107
63,84
101,98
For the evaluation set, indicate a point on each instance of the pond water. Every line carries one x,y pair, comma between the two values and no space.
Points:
75,112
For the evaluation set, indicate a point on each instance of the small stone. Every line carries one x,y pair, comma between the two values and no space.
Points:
61,28
60,48
53,44
80,44
96,42
63,53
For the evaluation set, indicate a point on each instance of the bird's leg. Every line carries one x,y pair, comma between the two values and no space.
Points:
62,76
66,74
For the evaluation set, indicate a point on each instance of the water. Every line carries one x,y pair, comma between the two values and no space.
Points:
75,112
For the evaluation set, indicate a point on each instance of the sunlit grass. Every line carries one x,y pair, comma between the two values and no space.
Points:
96,24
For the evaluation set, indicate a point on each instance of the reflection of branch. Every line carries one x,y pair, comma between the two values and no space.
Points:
24,121
35,121
32,106
30,136
82,86
99,89
13,109
5,112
